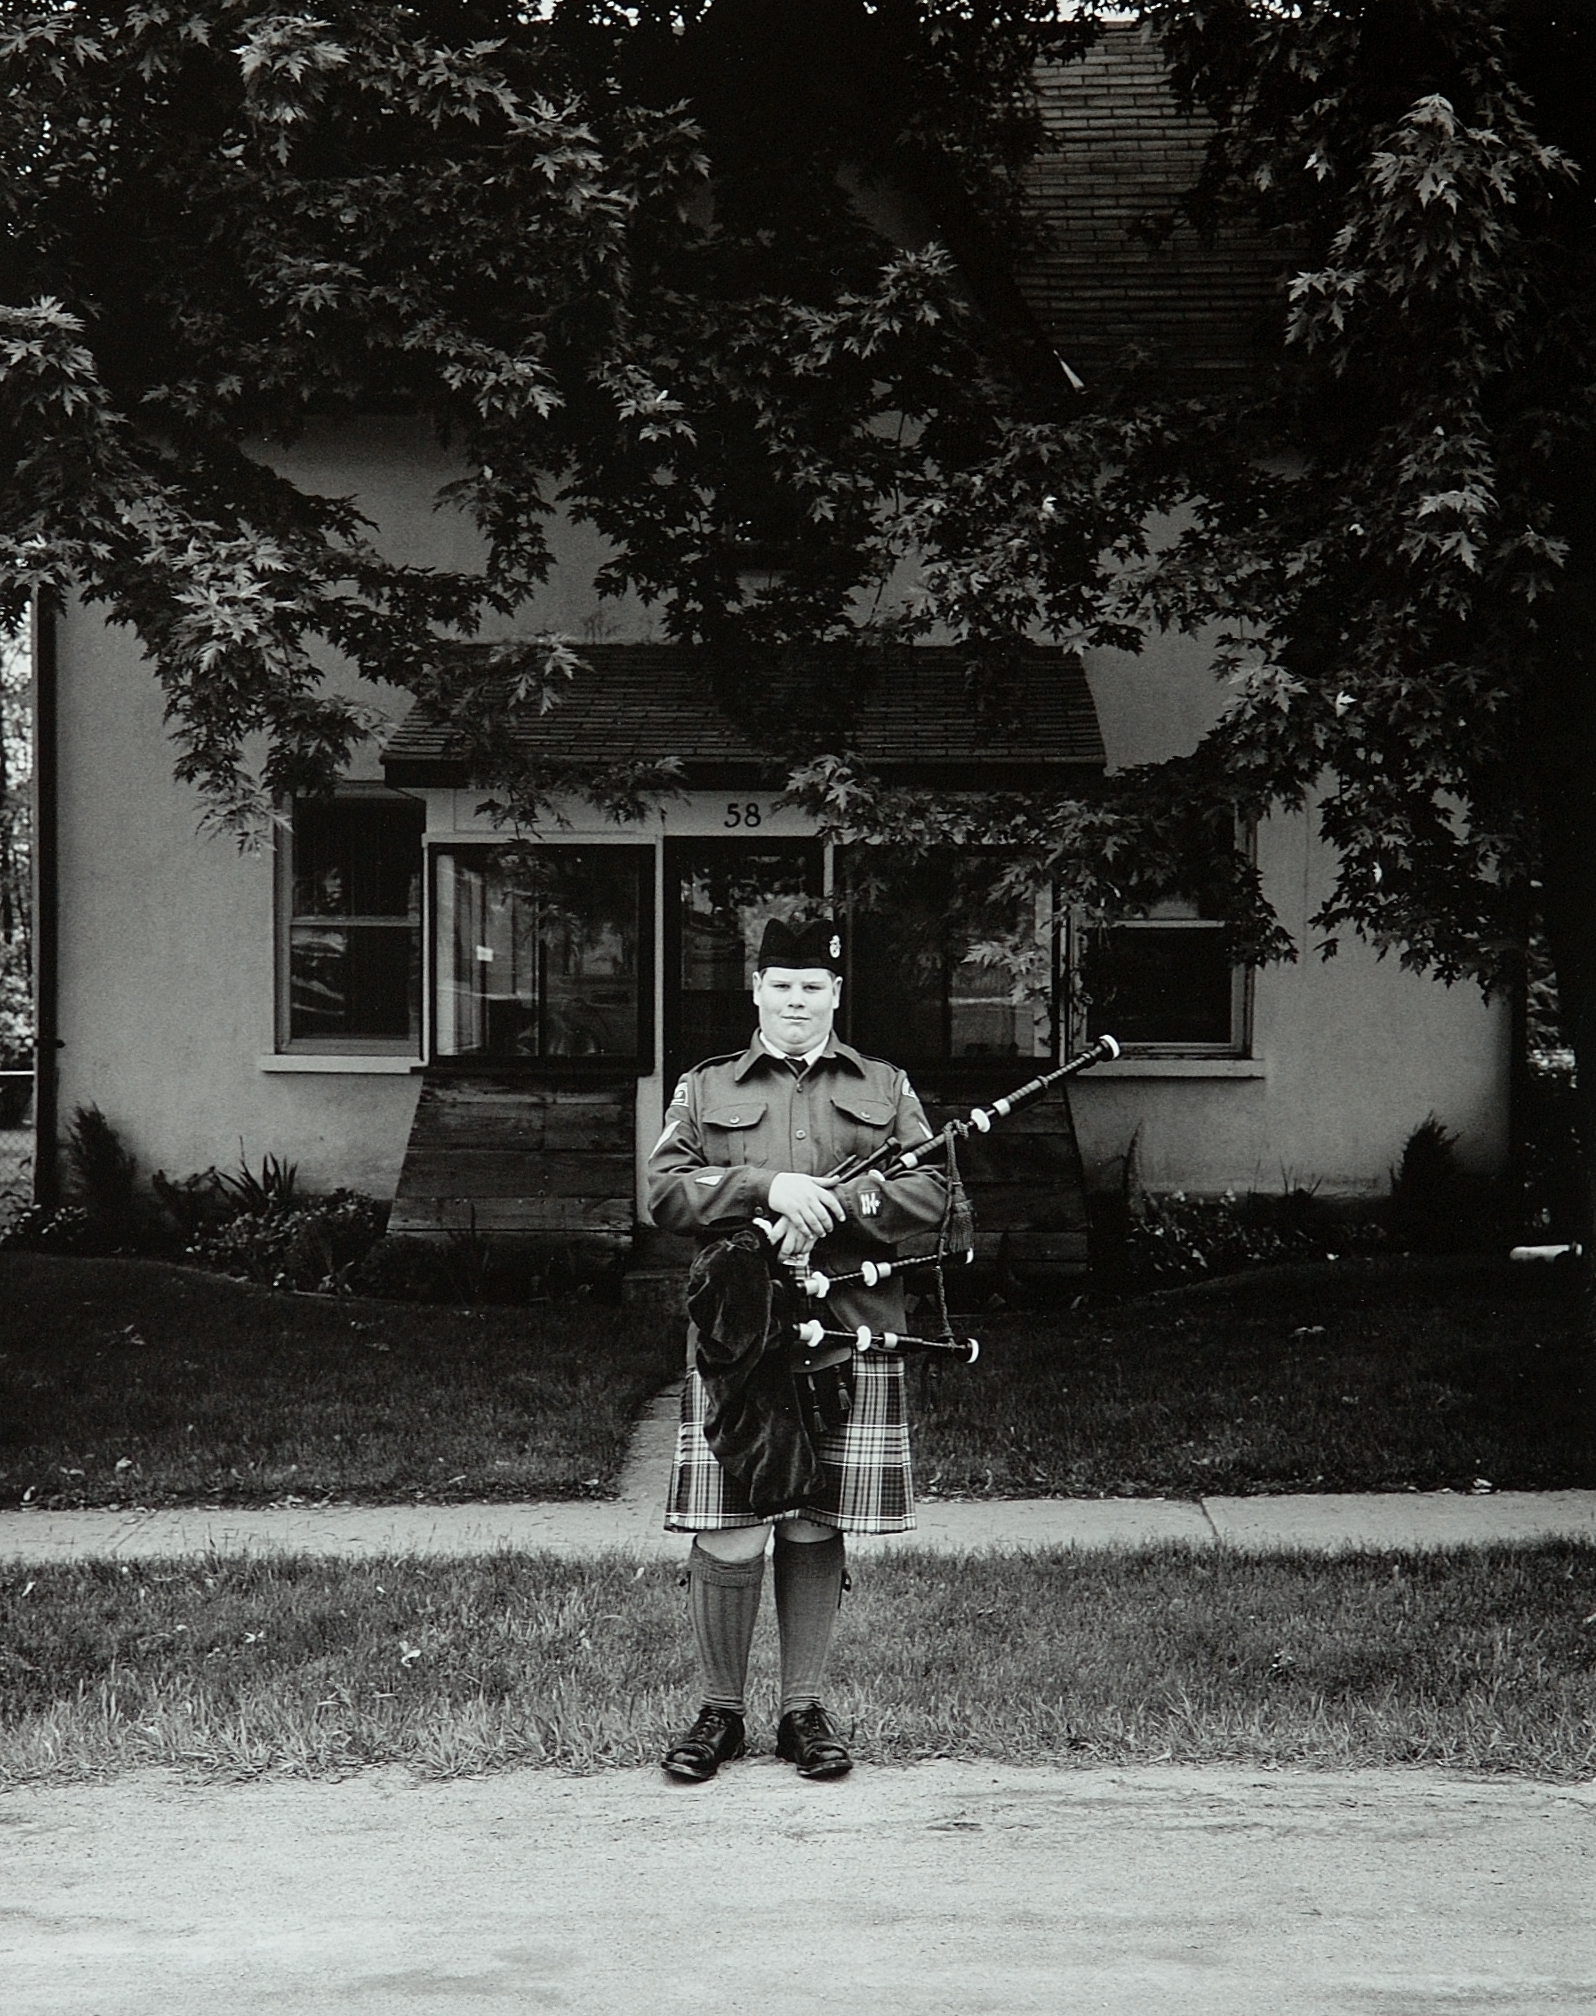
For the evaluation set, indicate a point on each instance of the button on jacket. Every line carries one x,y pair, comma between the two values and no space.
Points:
735,1122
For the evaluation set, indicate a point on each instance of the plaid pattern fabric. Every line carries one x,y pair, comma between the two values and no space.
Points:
868,1488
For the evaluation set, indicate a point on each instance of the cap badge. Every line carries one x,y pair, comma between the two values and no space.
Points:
835,946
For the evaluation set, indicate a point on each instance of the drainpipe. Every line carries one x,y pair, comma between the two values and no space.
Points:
46,907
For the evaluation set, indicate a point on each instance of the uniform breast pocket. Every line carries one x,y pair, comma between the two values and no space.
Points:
731,1132
860,1123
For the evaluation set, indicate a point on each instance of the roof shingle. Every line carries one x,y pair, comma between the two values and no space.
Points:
643,703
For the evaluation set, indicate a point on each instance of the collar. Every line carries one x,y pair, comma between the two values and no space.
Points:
833,1050
782,1057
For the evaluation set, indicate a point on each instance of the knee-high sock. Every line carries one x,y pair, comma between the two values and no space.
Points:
723,1600
808,1590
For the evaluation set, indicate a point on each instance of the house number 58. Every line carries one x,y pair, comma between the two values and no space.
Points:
743,815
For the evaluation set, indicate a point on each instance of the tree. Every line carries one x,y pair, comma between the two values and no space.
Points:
623,256
16,941
1407,563
608,251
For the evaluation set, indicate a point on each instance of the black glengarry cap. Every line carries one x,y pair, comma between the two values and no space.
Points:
817,942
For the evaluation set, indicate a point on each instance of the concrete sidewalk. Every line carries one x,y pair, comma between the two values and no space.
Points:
630,1523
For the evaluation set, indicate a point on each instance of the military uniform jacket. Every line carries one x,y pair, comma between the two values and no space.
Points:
735,1122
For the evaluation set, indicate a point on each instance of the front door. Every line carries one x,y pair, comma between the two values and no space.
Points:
719,895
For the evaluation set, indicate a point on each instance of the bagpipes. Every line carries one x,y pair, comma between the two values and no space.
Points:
819,1344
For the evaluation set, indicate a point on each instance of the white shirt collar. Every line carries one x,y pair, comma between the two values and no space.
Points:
786,1056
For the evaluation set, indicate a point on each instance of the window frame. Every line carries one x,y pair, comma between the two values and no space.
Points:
637,1064
285,1043
1085,1024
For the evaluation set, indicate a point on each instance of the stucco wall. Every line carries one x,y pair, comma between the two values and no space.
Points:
1349,1055
167,976
168,982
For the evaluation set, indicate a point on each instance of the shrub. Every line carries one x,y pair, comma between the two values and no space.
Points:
314,1244
196,1206
16,1008
67,1229
1182,1238
276,1188
103,1173
407,1270
1432,1209
1554,1179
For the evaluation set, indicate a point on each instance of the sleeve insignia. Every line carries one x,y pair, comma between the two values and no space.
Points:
708,1178
669,1131
869,1203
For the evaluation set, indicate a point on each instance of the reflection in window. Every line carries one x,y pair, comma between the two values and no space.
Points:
915,989
539,951
1166,981
727,891
354,960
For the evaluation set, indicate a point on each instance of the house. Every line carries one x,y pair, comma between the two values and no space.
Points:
398,1000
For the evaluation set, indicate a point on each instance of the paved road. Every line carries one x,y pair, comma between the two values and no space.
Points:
941,1890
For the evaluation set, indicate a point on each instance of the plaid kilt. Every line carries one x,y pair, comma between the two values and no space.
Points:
868,1487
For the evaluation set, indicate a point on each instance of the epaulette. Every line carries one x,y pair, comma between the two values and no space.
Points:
731,1057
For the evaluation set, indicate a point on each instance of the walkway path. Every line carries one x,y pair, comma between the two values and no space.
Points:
631,1522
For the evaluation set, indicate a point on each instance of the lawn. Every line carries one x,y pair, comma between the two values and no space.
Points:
1467,1661
129,1381
1356,1375
133,1382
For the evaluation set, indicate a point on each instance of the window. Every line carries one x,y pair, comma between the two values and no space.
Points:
543,954
1163,984
724,892
915,991
354,929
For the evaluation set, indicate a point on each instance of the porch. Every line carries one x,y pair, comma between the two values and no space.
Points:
566,983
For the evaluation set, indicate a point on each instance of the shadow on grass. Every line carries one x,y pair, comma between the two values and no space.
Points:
129,1381
1477,1661
1358,1375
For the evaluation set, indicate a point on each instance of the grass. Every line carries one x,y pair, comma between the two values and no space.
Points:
129,1381
1362,1375
133,1382
1473,1661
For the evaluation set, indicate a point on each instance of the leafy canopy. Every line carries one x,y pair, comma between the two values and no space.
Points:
622,257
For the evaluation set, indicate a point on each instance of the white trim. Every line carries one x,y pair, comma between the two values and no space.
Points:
342,1063
1182,1067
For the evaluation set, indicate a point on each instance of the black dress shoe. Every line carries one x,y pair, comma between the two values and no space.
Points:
807,1739
714,1739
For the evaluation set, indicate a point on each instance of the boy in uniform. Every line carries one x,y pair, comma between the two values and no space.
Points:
753,1136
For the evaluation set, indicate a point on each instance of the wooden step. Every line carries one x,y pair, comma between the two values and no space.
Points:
518,1158
1024,1179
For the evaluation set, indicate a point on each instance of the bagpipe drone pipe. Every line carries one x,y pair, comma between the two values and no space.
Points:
814,1337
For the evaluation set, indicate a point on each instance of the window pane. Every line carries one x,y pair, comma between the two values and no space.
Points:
357,858
354,980
538,952
1147,983
727,891
914,993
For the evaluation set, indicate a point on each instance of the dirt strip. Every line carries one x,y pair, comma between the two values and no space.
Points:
939,1890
